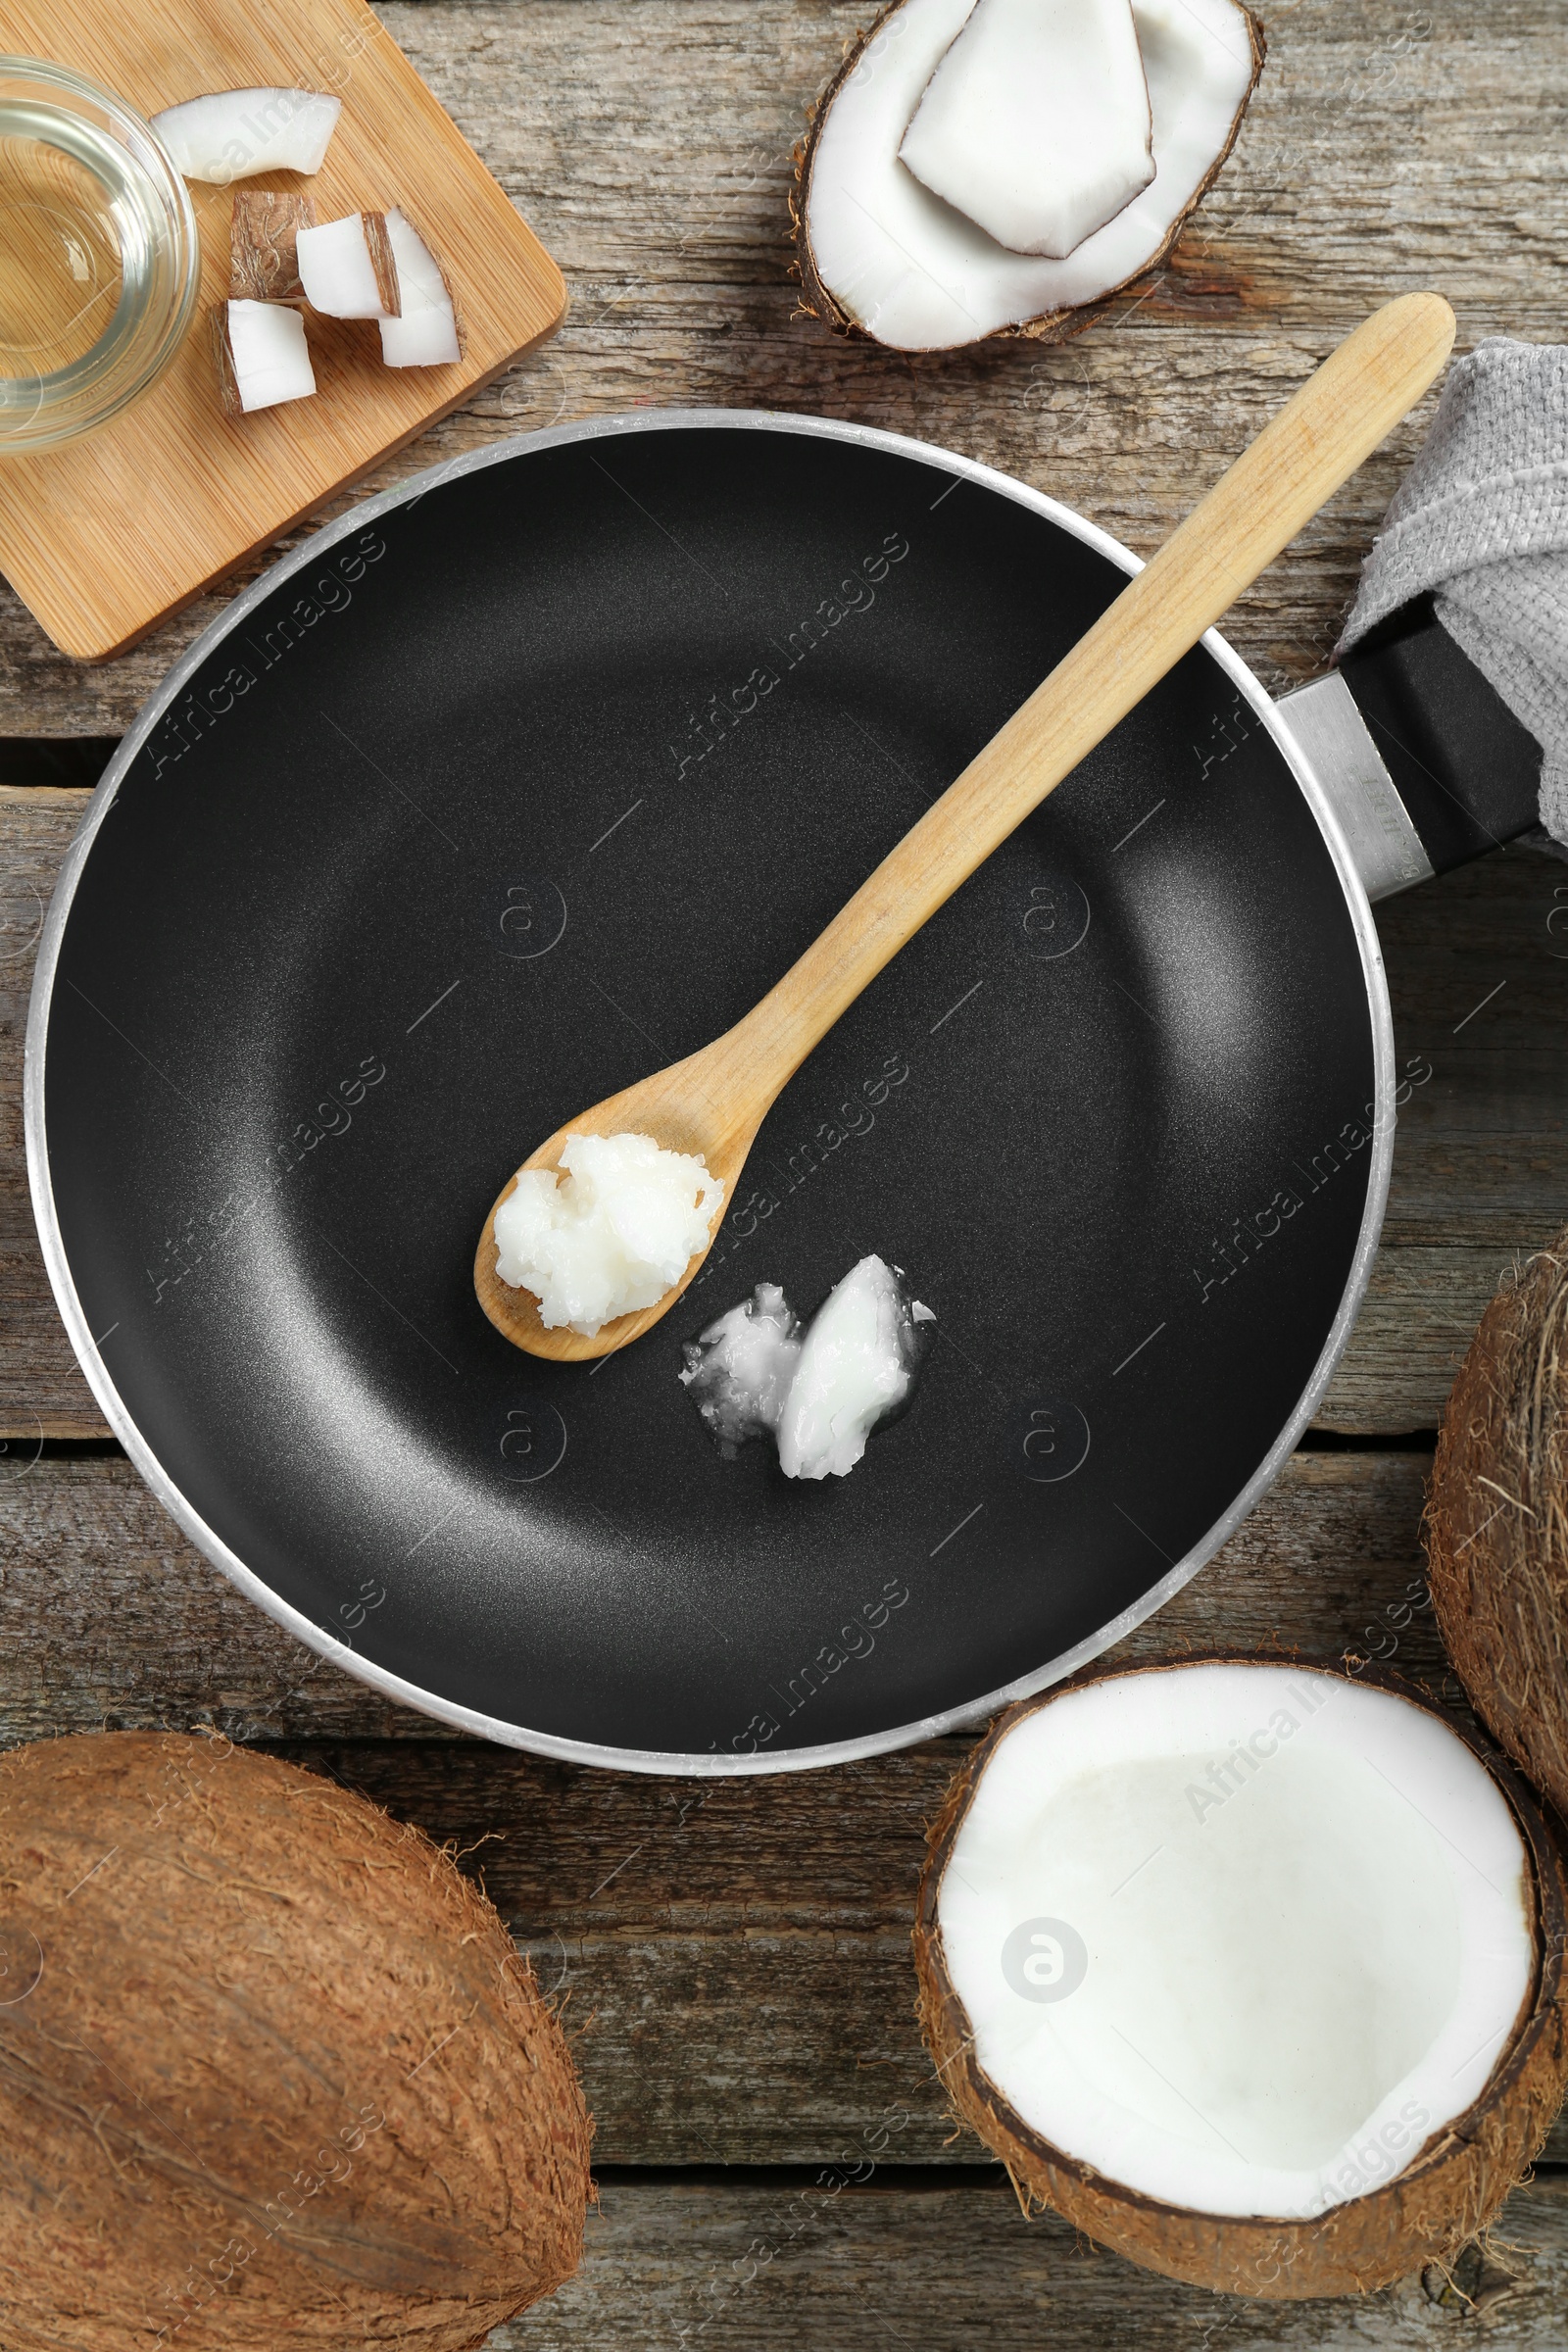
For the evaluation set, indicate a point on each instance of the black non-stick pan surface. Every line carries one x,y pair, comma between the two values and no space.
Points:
529,779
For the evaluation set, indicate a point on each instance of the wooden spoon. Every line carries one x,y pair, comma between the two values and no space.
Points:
715,1101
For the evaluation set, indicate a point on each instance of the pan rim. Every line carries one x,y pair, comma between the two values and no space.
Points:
317,1638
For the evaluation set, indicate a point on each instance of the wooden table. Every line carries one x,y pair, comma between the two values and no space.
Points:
736,1957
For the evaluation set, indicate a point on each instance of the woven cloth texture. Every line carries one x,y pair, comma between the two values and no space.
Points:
1481,519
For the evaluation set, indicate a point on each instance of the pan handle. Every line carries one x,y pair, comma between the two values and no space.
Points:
1423,760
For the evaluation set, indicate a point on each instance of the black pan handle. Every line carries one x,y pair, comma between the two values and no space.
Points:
1424,761
1468,771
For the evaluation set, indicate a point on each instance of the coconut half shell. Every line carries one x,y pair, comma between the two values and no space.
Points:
1446,2194
970,287
1498,1521
272,2074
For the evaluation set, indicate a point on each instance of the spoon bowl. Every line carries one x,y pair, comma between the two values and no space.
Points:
715,1101
684,1108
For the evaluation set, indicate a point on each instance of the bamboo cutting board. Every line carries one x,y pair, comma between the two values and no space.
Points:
108,535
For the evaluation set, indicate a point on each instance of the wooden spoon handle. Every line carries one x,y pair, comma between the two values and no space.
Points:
1255,508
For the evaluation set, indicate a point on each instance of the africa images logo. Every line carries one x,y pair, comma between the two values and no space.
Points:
1045,1959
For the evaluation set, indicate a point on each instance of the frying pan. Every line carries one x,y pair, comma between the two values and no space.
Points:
532,774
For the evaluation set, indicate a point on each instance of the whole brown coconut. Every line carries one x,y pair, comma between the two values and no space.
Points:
271,2073
1448,2192
1497,1520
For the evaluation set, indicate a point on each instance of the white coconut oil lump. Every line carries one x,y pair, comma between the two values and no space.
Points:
740,1371
614,1234
1241,1938
913,271
1036,123
857,1366
820,1392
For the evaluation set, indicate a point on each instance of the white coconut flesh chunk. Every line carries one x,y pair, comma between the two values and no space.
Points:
1036,124
268,360
347,268
426,334
233,134
913,271
1241,1938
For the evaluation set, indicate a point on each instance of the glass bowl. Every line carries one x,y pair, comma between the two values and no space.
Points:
99,255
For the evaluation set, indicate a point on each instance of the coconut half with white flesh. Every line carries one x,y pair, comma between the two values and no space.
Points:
1036,123
880,254
1254,1971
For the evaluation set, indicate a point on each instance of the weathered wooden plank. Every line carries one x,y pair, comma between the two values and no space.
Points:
648,143
876,2267
1481,1171
747,1961
736,1952
42,1393
1478,975
109,1617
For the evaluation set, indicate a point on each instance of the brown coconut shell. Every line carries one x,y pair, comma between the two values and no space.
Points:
224,362
271,2072
1052,327
1498,1521
1451,2190
264,261
419,231
378,245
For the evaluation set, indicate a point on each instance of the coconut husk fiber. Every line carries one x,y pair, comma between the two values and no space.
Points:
271,2072
1497,1520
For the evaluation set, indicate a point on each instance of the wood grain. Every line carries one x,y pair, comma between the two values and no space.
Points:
890,2267
741,1948
108,1617
105,537
744,1968
1480,1159
648,141
852,2267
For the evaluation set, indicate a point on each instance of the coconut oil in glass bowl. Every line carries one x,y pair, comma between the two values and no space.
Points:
99,255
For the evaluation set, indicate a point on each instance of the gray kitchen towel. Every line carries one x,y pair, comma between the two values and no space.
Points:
1482,517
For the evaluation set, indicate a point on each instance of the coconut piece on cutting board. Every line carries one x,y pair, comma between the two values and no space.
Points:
426,332
378,266
262,258
1036,124
262,355
233,134
880,254
347,268
1253,1970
